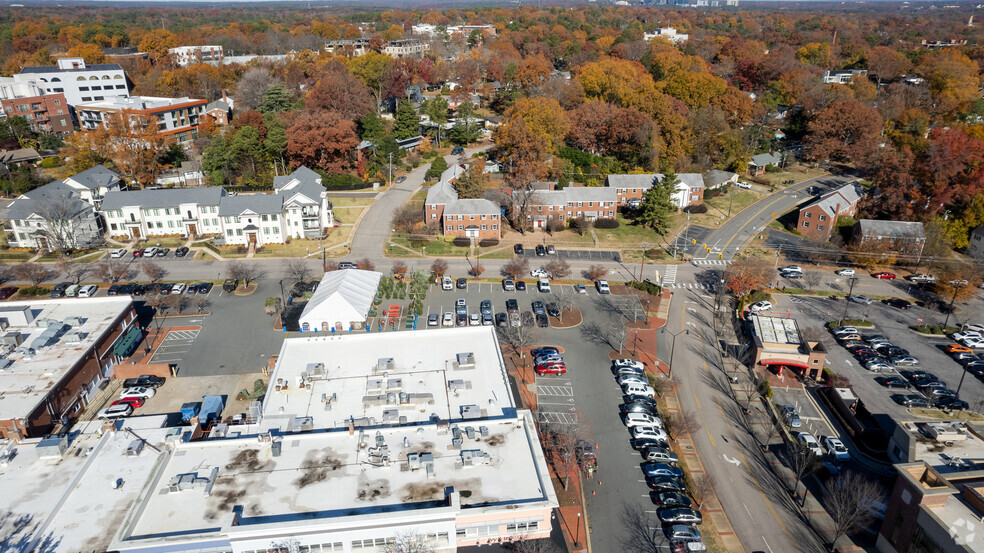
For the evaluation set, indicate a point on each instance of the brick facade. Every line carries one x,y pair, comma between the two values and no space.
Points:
45,114
817,219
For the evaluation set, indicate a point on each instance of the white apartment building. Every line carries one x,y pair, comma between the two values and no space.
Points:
78,81
11,88
669,33
406,48
843,76
188,55
164,212
306,206
255,219
176,116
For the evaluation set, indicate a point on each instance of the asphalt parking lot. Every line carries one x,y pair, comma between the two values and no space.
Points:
894,324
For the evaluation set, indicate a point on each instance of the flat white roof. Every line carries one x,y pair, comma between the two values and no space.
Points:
338,478
406,377
25,379
137,102
70,504
776,330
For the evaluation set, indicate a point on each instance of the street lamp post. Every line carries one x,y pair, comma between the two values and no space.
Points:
669,373
577,538
847,300
642,266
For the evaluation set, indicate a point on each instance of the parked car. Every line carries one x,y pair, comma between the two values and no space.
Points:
512,306
791,268
117,253
461,283
538,273
538,307
760,306
844,272
181,252
666,484
88,291
544,350
540,250
957,348
907,360
743,184
660,454
165,287
580,289
401,180
150,252
551,250
661,469
178,288
162,252
921,278
486,319
641,419
230,285
508,284
144,381
884,276
448,319
898,303
433,319
520,286
59,290
892,382
682,515
135,402
602,286
553,310
347,265
137,252
974,342
669,499
518,249
951,403
205,287
547,358
551,368
501,319
791,275
485,307
844,330
648,432
910,400
619,363
457,151
7,291
878,366
790,415
683,532
624,379
115,411
810,443
138,392
859,298
542,321
835,448
191,289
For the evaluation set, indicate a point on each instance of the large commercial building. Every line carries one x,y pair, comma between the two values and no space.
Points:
778,344
53,356
45,113
78,81
364,442
187,55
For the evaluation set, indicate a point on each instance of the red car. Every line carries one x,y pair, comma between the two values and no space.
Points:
135,402
886,276
550,368
7,291
138,253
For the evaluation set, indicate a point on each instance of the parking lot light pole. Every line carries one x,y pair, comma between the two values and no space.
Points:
669,373
949,310
847,300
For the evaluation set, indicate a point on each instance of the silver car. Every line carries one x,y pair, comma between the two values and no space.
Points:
791,416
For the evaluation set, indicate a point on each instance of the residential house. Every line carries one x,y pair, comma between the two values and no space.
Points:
817,219
188,173
21,155
220,111
53,217
944,43
92,184
253,219
716,179
591,203
348,48
472,218
179,117
843,76
78,81
689,189
976,245
901,237
760,162
45,113
163,212
184,56
307,210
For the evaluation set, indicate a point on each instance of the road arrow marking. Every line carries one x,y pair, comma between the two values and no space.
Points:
736,462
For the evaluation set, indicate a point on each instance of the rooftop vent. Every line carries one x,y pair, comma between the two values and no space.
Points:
13,338
466,360
474,457
74,321
315,371
191,480
73,339
134,449
417,461
469,412
384,364
374,385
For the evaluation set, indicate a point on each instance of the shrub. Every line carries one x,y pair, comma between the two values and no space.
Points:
770,168
34,291
343,182
50,162
606,223
488,243
699,208
646,286
461,241
710,193
765,389
655,253
580,225
553,226
757,296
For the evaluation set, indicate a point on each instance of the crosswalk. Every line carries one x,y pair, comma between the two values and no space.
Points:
688,286
669,275
711,262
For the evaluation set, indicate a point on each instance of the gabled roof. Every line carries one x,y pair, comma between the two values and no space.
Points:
470,206
218,104
17,156
837,200
444,192
261,204
645,181
95,178
164,197
873,228
761,160
34,201
716,177
303,181
343,296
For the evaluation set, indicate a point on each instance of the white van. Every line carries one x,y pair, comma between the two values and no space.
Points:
72,291
543,285
88,291
447,283
633,389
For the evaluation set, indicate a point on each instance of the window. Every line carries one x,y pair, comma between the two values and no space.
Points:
112,226
461,227
433,215
522,527
87,98
79,79
483,217
118,77
229,232
823,217
170,224
806,224
483,227
100,98
105,77
84,88
157,212
450,228
93,78
58,103
808,214
239,232
494,227
97,88
119,86
264,218
228,219
819,227
372,542
272,217
160,224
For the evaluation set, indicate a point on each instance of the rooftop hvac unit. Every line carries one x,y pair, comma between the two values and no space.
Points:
391,416
73,339
385,364
469,412
13,338
43,323
74,321
466,360
5,363
134,449
18,316
315,371
374,385
52,447
394,384
26,351
4,323
420,460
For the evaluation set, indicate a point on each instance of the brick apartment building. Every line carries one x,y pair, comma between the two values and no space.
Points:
45,114
569,203
176,116
817,219
689,190
900,237
472,218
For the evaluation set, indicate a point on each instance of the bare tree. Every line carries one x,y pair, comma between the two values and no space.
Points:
519,338
701,487
803,463
153,271
244,271
812,279
678,423
251,86
565,301
516,267
35,273
365,264
596,272
62,228
298,270
177,302
331,265
203,304
75,272
406,218
561,442
616,331
541,545
848,501
558,268
439,268
409,542
399,268
638,533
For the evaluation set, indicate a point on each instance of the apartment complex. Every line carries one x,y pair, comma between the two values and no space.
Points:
54,355
897,237
669,33
184,56
843,76
175,116
405,48
47,113
471,218
61,215
817,219
78,81
298,208
592,203
689,188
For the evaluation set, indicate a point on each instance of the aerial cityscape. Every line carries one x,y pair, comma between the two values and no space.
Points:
633,276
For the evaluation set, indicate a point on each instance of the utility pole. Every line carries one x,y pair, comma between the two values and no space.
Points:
949,310
390,180
847,300
642,266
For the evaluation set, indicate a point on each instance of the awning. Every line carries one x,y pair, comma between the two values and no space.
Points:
787,362
126,342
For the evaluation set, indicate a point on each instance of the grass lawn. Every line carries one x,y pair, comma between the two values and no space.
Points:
16,256
798,173
955,415
350,202
436,247
419,197
348,215
626,235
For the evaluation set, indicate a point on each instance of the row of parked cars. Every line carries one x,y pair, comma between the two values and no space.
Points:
149,252
659,466
879,355
69,290
135,392
548,360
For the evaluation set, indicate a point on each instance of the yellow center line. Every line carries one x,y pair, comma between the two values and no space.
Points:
770,204
764,498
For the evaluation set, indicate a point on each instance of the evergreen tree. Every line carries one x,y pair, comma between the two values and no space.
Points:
407,123
436,109
437,167
461,135
215,161
471,183
247,149
371,128
276,99
657,204
275,142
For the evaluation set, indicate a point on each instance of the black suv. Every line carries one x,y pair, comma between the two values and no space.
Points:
518,249
230,285
59,290
144,381
512,306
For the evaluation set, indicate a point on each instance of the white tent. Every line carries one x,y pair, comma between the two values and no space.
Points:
343,299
